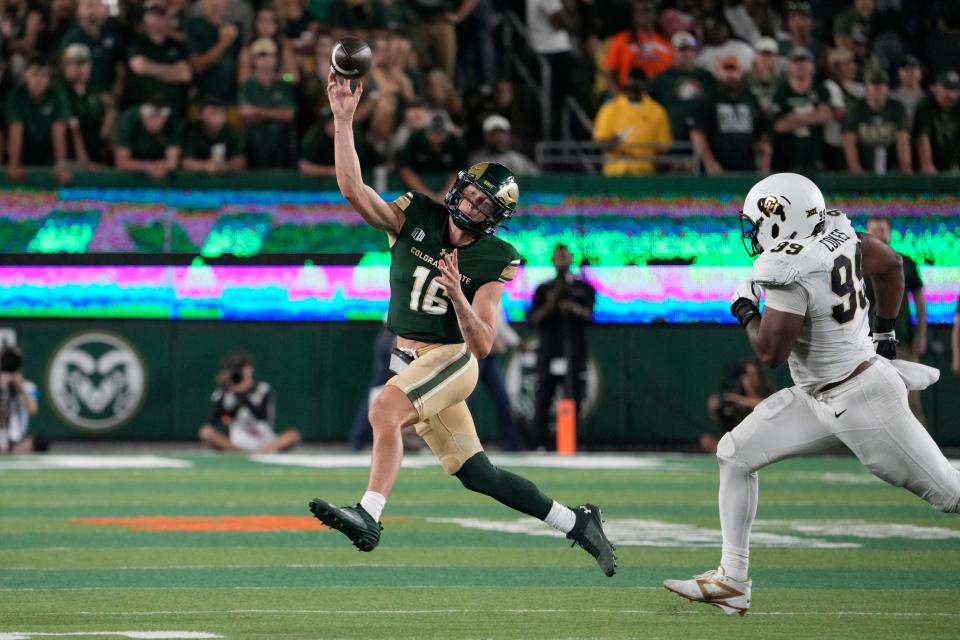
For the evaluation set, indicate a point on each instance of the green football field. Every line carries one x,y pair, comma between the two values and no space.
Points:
181,545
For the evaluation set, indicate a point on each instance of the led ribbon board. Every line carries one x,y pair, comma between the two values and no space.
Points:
671,259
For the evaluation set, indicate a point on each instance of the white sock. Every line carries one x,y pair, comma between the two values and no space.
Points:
738,508
561,518
373,502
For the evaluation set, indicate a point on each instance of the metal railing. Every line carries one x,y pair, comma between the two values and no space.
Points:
514,35
589,156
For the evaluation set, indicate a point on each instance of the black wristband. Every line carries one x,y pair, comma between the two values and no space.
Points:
744,310
883,325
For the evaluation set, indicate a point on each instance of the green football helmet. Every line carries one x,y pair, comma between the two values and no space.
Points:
498,183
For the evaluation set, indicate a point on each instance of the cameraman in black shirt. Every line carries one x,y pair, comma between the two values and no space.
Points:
562,308
18,401
245,407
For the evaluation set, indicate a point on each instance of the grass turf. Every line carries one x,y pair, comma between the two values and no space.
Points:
433,577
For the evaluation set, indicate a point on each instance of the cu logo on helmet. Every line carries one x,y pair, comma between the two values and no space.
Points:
771,206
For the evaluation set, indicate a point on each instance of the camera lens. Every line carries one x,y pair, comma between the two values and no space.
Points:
10,362
236,376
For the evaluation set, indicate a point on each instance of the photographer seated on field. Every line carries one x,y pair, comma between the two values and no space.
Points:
245,407
743,387
18,401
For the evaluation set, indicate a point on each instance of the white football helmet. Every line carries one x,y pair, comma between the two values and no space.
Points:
781,207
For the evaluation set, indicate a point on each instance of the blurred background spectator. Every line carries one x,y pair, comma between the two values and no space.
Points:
875,130
552,68
158,64
911,337
496,148
435,149
213,45
729,132
909,91
639,47
37,115
244,406
267,109
937,125
561,310
91,113
801,107
213,145
633,127
743,386
148,139
18,401
683,88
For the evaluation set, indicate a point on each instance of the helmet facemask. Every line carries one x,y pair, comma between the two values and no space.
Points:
494,207
749,231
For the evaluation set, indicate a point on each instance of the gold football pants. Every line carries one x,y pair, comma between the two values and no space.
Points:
438,383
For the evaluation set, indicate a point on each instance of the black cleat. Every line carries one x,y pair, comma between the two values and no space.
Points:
588,533
353,522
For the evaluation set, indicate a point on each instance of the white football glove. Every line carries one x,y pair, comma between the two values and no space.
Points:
747,289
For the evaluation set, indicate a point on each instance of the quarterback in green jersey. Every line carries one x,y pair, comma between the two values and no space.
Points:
447,272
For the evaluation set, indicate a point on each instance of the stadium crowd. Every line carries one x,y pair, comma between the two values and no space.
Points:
868,86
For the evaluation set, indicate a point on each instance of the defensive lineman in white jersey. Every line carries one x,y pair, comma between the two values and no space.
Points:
849,389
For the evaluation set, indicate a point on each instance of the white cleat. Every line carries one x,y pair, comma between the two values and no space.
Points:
714,588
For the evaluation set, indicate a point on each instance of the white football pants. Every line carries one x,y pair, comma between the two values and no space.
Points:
869,414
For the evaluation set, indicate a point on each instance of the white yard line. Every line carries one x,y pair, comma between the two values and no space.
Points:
94,462
643,462
139,635
405,612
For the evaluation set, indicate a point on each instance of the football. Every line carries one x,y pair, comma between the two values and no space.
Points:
351,58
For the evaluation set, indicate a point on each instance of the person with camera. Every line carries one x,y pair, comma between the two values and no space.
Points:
18,401
245,407
743,387
561,309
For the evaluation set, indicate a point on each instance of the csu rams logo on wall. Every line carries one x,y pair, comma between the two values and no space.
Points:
96,381
521,379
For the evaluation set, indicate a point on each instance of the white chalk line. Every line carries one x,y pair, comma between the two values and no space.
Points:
136,635
180,567
406,612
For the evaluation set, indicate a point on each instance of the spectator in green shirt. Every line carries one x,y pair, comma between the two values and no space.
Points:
801,106
299,26
852,29
212,145
148,139
728,132
91,120
936,125
683,88
213,45
317,151
37,114
158,63
875,129
435,149
101,34
267,109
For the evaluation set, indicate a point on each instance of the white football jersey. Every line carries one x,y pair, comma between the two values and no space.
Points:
821,278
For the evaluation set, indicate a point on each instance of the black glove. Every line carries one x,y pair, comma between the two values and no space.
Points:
744,310
885,338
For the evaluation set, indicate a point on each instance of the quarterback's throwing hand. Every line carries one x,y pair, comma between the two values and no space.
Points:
449,277
343,100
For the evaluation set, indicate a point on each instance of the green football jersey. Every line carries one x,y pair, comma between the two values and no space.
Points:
419,308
